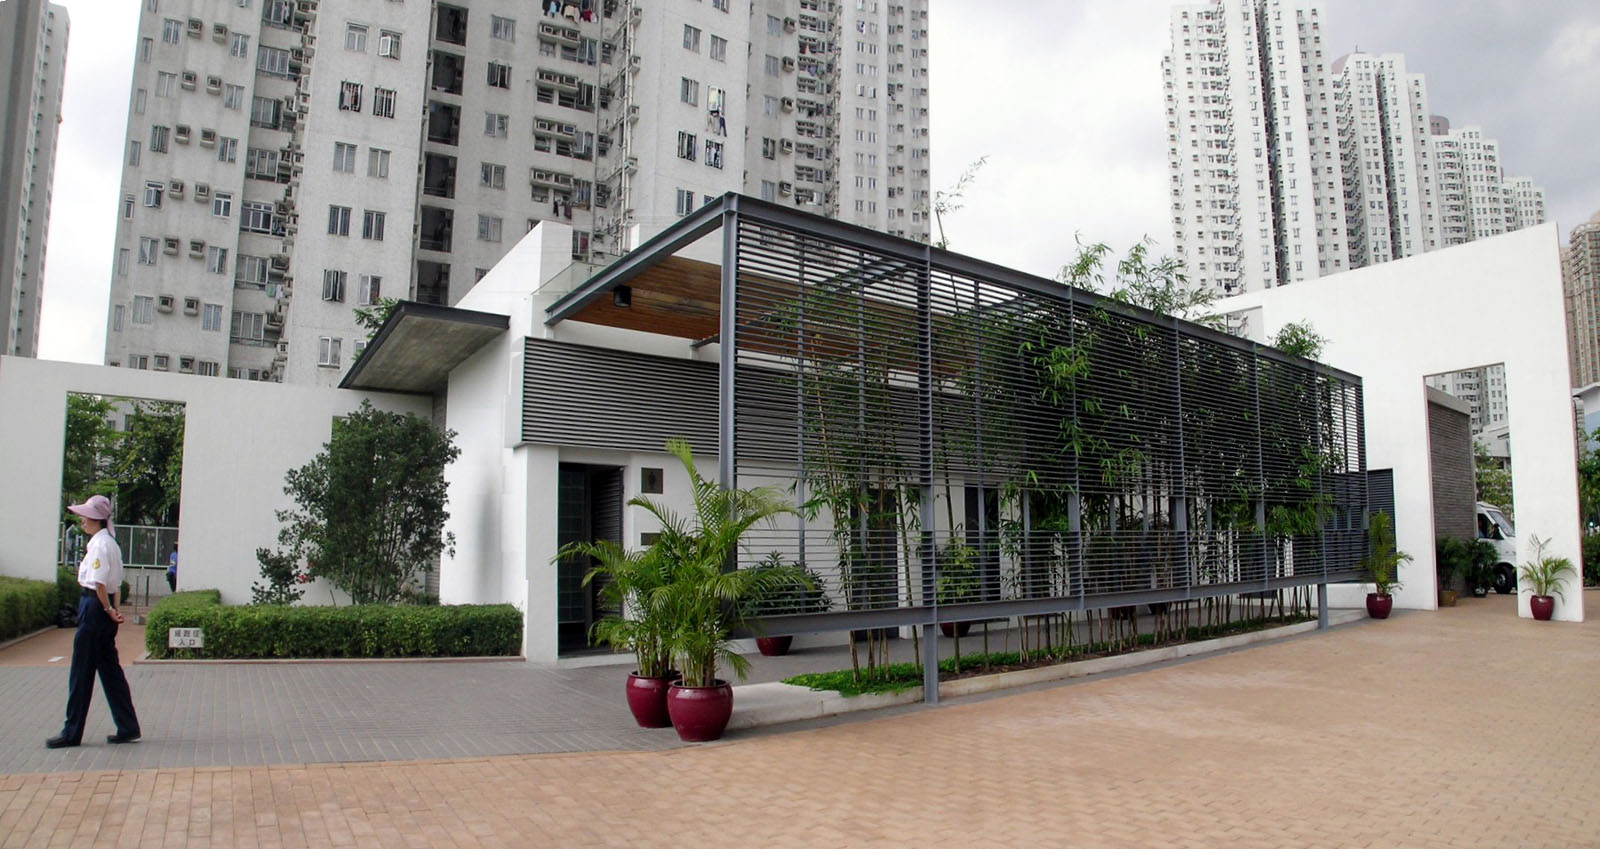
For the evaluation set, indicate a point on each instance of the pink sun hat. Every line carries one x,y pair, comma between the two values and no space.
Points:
97,507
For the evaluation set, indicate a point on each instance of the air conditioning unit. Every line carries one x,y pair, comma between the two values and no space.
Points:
189,80
161,362
785,188
787,146
636,60
202,191
186,365
164,303
196,27
788,63
208,137
213,85
197,248
788,24
638,11
219,33
169,246
175,188
191,306
180,134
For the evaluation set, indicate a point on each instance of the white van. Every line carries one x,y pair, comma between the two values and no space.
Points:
1494,527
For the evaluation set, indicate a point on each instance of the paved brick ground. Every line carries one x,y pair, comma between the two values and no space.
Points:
1467,727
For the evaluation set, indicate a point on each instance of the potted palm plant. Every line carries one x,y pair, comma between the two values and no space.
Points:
1543,575
1381,564
792,589
1449,555
699,604
631,583
957,582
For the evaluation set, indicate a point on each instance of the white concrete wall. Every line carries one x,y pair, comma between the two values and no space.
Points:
240,438
1492,300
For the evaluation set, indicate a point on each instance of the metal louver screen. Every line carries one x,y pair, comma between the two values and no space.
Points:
604,398
1124,456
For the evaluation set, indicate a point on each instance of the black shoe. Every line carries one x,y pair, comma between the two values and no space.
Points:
59,743
122,738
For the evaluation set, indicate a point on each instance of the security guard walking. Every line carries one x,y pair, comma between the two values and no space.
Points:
94,648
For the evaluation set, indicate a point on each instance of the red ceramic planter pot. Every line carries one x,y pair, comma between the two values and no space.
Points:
774,646
647,699
955,629
700,714
1378,606
1542,607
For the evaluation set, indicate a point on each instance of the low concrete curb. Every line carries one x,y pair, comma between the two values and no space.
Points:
757,705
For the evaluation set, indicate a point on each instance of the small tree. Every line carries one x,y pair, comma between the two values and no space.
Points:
148,464
371,507
86,457
1494,480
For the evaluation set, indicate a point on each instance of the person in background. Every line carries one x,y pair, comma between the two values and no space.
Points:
94,647
172,569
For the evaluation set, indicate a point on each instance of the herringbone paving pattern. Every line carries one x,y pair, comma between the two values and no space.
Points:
1466,727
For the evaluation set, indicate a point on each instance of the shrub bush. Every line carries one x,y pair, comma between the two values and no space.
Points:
372,630
25,606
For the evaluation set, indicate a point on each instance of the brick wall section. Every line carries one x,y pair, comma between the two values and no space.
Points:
1454,486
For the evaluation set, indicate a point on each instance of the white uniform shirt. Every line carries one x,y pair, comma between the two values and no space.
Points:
102,563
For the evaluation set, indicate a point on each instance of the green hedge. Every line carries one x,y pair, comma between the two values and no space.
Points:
26,606
373,630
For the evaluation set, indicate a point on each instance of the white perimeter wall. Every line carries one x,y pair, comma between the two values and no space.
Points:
1488,301
240,437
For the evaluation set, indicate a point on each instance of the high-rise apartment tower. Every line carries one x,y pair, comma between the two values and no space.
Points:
1286,163
291,161
33,35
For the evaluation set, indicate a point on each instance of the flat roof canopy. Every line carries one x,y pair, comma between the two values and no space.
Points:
419,345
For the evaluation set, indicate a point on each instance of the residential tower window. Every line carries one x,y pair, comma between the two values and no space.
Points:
158,138
383,102
377,162
344,157
691,38
338,220
148,250
350,96
492,176
355,37
689,91
328,351
499,75
144,308
222,204
489,228
153,190
239,47
686,145
217,260
389,44
504,29
371,289
333,284
372,225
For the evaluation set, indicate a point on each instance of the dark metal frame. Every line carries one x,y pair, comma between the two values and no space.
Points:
736,216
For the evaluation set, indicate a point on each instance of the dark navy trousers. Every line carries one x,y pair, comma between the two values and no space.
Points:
94,650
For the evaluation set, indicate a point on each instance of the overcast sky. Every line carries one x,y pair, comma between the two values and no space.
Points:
1063,96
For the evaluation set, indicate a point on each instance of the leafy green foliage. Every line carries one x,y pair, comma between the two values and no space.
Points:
699,601
1493,481
1591,559
1544,572
898,677
372,318
631,584
1382,561
1588,481
1300,339
148,464
26,605
1159,285
280,631
370,508
1473,559
88,454
283,579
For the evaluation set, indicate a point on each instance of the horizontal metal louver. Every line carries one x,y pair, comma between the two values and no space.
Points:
602,398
